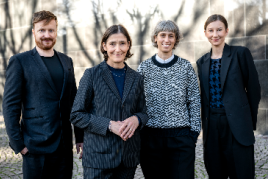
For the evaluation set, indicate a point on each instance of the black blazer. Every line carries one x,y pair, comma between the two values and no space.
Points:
97,103
241,92
29,90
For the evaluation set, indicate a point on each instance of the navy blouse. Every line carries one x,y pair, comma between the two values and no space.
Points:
215,92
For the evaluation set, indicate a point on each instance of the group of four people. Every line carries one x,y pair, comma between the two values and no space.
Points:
122,117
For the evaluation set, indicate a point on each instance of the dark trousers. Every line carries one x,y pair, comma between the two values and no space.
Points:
167,157
57,165
224,157
120,172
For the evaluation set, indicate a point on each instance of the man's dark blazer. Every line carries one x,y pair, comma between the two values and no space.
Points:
240,92
97,103
30,91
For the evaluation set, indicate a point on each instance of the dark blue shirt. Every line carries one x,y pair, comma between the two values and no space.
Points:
119,78
215,92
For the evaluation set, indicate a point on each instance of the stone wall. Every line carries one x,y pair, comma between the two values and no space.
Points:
82,23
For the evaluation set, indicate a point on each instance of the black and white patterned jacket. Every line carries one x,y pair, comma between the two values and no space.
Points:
172,94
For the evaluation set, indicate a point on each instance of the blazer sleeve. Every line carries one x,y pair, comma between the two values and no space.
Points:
79,133
12,100
251,81
141,107
80,116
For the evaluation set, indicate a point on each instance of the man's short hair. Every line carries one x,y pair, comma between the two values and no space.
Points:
43,15
166,25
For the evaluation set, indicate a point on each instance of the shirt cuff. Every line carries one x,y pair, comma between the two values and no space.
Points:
139,120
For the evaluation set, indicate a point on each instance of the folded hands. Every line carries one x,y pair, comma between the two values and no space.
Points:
125,129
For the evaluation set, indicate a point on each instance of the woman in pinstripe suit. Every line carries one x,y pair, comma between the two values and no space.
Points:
110,107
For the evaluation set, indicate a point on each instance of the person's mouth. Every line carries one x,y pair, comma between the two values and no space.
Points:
166,45
47,40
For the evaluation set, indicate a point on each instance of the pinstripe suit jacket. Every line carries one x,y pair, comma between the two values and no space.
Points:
97,102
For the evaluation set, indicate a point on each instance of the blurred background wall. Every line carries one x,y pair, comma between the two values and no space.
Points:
82,23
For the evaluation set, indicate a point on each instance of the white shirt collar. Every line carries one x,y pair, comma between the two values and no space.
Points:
160,60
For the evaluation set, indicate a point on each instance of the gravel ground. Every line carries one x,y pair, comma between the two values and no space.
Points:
10,163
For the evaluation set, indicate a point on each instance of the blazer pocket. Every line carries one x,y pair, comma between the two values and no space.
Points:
97,143
29,113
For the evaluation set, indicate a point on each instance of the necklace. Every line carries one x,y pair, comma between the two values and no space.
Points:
119,75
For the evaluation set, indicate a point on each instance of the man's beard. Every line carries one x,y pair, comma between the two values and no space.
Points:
43,47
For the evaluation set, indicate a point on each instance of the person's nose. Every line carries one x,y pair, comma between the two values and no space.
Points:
166,39
117,48
215,34
47,34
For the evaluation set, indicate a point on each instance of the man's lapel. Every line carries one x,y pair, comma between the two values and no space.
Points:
42,67
66,72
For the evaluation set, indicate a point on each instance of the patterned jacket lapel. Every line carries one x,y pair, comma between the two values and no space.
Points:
107,76
129,79
41,65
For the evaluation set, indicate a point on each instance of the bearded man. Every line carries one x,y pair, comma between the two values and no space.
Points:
40,85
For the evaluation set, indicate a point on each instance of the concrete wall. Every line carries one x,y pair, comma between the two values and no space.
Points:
82,23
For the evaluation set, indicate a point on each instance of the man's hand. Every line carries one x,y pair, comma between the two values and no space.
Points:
24,151
129,126
78,146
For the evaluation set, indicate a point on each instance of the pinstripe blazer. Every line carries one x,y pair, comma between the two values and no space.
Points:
97,102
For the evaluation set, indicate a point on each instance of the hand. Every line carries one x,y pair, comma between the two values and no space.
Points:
24,151
78,146
129,127
115,126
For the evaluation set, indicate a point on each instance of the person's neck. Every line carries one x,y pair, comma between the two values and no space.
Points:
116,65
45,53
164,56
217,51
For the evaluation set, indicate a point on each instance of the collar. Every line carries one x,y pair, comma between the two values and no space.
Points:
165,65
160,60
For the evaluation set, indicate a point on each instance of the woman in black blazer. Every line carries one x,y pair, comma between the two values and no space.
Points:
230,94
110,107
